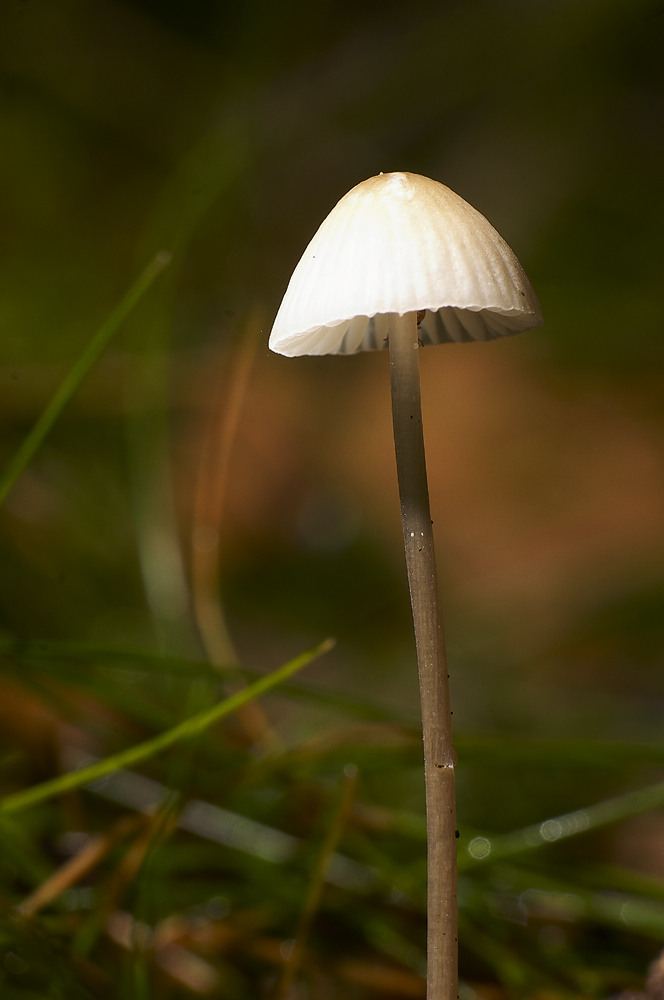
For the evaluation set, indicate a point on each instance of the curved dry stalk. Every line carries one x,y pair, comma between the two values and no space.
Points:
439,755
76,868
209,502
160,825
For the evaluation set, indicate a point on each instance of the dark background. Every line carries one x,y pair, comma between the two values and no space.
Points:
225,133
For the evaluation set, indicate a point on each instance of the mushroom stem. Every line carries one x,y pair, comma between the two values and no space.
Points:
439,755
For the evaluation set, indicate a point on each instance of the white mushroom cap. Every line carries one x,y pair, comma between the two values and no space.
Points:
400,243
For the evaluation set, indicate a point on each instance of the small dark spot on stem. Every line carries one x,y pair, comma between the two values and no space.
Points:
457,834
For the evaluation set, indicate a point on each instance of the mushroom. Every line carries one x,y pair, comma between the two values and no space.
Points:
402,261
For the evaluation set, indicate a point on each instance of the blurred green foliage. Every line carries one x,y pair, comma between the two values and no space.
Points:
223,133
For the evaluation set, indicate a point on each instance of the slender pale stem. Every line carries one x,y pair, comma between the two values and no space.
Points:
439,756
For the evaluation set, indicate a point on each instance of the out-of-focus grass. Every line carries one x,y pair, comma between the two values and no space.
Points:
225,885
225,134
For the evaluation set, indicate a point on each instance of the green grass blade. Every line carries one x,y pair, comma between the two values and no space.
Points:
481,849
185,730
495,751
511,969
504,751
37,650
49,654
548,897
78,372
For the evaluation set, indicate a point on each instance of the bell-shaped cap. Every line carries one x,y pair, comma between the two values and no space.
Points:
400,243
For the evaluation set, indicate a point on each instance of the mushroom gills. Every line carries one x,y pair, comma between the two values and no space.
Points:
448,325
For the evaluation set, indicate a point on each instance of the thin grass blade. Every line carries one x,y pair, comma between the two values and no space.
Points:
185,730
72,381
